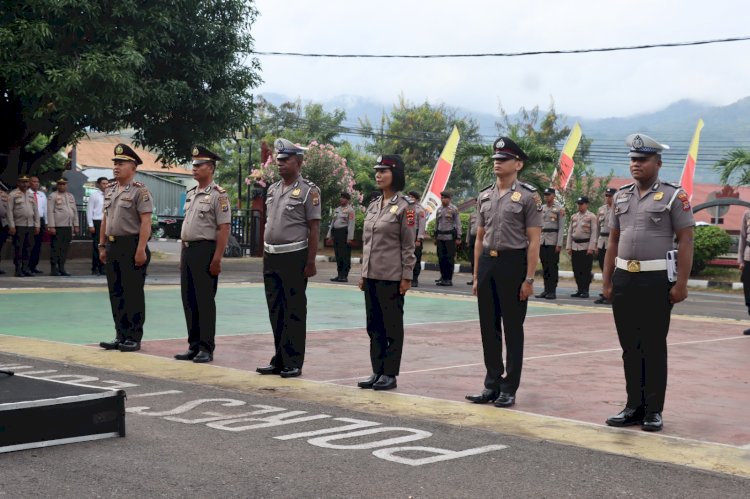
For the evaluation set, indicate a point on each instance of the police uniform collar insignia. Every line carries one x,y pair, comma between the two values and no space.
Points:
207,189
655,186
394,199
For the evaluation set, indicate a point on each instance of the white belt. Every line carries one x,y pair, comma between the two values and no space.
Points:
640,265
284,248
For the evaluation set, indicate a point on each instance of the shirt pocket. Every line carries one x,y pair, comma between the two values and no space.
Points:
514,208
657,215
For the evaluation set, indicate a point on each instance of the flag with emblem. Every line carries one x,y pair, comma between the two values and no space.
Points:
688,171
440,175
565,167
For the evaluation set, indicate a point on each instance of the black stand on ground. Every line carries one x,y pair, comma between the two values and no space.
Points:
8,373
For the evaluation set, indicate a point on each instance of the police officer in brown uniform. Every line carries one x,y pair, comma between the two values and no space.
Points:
126,228
647,215
291,242
743,258
506,252
602,241
205,231
553,228
387,269
23,224
447,237
3,221
471,239
421,215
341,232
581,246
62,222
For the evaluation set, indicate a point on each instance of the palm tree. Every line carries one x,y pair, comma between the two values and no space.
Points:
735,164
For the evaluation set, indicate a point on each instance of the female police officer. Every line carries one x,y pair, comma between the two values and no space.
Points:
387,268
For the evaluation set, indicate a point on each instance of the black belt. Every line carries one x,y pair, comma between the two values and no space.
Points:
581,240
550,230
604,234
122,239
190,244
441,232
495,253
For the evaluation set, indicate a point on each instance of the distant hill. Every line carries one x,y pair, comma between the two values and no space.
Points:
726,128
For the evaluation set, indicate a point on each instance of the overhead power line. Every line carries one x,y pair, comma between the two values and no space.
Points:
507,54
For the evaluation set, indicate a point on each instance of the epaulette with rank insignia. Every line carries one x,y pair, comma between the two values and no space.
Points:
139,184
626,186
488,187
528,187
221,189
309,182
670,184
193,188
408,199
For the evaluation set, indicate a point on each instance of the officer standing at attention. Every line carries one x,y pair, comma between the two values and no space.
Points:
62,222
648,214
603,240
553,228
743,258
291,242
387,269
41,206
23,223
204,236
341,231
3,220
447,237
126,228
581,246
421,215
506,254
94,214
471,240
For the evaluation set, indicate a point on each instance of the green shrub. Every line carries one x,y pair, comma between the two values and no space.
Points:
710,242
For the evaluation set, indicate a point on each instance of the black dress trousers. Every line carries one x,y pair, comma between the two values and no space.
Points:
550,267
285,285
96,264
59,245
36,244
385,325
342,250
745,278
641,308
23,240
499,281
582,264
125,282
446,251
418,264
600,256
199,294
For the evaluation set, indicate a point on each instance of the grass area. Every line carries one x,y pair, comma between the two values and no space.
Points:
727,274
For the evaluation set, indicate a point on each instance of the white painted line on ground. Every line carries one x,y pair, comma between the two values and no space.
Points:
155,394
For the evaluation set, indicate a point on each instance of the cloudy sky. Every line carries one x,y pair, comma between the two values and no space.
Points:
590,85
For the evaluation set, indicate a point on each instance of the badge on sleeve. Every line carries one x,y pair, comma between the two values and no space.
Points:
685,201
538,202
515,197
224,203
658,196
315,197
410,217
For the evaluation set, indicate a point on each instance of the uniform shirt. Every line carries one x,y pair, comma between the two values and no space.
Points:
343,216
205,209
603,220
743,252
123,207
553,225
421,214
3,208
389,235
582,232
41,203
95,208
62,210
288,211
447,219
22,209
647,224
473,223
505,218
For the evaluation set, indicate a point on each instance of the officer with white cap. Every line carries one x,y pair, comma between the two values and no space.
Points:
647,216
290,244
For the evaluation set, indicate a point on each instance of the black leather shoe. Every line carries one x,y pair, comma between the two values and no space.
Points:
203,356
601,301
369,381
290,372
188,355
55,272
27,273
584,295
2,272
269,369
110,345
505,400
577,294
445,283
652,422
626,417
129,346
102,272
746,332
415,283
470,283
64,273
551,296
385,383
543,294
343,279
486,396
36,271
335,279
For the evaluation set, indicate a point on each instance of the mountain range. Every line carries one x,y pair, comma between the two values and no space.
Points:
726,128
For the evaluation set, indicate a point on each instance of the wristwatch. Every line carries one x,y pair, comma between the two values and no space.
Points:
102,245
530,280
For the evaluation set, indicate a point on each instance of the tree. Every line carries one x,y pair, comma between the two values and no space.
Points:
735,165
176,72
